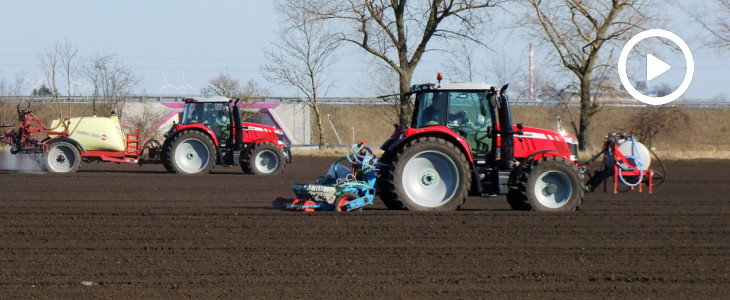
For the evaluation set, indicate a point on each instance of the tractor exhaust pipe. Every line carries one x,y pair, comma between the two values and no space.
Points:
237,127
506,132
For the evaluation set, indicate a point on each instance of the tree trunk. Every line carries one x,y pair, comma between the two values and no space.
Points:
318,116
404,110
586,114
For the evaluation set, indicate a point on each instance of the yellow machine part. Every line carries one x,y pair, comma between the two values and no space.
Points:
95,133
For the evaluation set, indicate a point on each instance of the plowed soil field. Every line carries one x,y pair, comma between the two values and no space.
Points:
118,231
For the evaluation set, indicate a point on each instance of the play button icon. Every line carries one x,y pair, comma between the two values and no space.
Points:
655,67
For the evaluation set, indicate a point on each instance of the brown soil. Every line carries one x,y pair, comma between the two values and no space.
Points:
137,232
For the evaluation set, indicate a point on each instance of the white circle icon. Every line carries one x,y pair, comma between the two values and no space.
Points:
689,60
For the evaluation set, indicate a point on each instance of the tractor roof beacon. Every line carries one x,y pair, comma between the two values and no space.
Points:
462,142
211,131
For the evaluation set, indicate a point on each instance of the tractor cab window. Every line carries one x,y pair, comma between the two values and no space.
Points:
431,107
215,114
469,116
467,113
210,114
192,113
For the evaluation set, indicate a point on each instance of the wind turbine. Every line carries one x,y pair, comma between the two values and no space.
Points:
37,83
72,85
89,88
185,86
167,86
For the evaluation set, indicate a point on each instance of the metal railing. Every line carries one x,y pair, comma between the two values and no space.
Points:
616,102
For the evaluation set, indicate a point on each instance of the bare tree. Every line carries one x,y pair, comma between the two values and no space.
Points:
223,85
655,120
398,31
462,63
714,16
112,82
69,56
581,31
227,86
4,92
306,49
11,95
50,60
385,85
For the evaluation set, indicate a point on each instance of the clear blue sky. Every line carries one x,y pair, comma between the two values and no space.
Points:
199,39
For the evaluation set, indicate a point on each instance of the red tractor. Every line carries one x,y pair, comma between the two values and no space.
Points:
211,132
462,142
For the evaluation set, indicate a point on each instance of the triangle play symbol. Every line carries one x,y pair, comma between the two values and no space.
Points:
655,67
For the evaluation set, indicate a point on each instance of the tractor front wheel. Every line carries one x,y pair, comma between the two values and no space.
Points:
62,157
263,159
549,184
190,152
427,174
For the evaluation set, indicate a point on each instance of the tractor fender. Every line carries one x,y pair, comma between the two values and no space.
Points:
69,140
287,151
527,162
199,127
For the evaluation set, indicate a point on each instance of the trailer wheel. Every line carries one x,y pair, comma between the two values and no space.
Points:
263,159
62,157
191,152
343,199
549,184
427,174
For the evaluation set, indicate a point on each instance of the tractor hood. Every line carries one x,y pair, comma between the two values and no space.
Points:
259,127
530,140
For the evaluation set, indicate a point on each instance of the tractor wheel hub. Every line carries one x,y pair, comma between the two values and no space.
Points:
428,179
552,189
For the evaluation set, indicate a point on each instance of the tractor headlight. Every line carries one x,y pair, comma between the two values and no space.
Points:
281,139
573,147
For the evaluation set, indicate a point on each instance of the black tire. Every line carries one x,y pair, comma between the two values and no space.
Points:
167,156
426,174
386,195
549,184
191,152
62,157
263,159
343,198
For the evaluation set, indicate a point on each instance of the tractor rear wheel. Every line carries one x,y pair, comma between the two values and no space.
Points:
191,152
426,174
549,184
263,159
62,157
167,156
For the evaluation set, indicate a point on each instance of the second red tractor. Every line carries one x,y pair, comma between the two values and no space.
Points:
211,132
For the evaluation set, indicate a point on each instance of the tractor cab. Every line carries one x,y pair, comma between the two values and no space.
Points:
213,112
461,107
211,131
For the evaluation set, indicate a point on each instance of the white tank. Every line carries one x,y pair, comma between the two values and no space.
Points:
95,133
627,148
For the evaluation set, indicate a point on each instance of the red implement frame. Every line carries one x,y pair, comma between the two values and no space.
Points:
634,172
